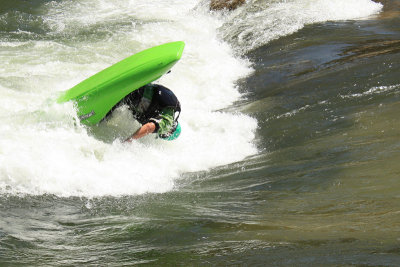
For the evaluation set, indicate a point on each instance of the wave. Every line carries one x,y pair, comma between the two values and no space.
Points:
43,150
260,21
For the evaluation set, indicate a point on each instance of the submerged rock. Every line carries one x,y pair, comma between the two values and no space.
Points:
226,4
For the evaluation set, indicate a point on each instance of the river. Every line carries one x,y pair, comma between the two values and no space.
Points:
290,146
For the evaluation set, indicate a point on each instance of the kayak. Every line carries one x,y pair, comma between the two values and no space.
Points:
98,94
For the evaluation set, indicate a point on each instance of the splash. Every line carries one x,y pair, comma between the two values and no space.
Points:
44,149
262,21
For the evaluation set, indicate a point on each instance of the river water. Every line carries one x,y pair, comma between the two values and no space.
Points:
289,153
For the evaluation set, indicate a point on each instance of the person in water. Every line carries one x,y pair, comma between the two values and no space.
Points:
154,106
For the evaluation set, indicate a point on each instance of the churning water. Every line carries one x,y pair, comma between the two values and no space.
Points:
289,150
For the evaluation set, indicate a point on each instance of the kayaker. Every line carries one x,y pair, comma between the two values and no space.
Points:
154,106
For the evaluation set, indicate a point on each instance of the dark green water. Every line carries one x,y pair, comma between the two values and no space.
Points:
323,190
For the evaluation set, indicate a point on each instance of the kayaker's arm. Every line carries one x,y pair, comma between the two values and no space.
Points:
146,129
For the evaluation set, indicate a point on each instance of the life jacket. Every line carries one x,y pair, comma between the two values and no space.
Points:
161,98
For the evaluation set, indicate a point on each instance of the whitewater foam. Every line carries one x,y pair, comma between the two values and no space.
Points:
45,150
262,21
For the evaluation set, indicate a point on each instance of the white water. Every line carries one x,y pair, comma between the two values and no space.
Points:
255,25
42,150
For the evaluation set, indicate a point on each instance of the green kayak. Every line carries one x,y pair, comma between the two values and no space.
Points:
97,95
